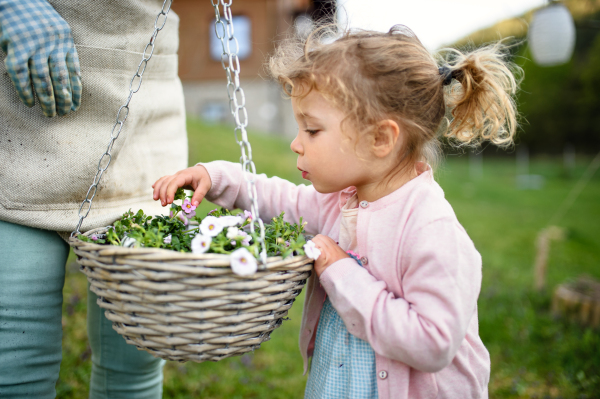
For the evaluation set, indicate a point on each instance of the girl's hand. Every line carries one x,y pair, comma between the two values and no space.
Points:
330,253
195,178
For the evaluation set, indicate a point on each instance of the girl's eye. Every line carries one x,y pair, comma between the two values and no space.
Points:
311,132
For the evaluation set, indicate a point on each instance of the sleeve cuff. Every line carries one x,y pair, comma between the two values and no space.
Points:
216,178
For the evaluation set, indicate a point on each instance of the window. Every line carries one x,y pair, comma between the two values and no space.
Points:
241,31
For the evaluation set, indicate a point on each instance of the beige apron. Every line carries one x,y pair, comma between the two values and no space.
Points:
47,164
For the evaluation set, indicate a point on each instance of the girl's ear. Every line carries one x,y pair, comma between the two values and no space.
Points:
387,134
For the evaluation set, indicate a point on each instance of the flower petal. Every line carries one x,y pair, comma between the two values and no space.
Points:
201,244
183,219
230,220
243,263
311,250
211,226
232,232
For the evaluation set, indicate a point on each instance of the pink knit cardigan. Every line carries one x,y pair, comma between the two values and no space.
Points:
415,301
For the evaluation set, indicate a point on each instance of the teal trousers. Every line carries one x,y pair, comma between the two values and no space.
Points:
32,276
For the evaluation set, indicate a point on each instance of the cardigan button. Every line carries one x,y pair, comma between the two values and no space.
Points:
383,374
364,204
364,260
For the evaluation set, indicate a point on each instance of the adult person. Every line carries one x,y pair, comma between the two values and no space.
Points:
76,60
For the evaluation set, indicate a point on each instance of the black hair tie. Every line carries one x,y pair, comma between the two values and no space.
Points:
447,75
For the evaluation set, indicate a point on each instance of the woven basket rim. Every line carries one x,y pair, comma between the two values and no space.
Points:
170,255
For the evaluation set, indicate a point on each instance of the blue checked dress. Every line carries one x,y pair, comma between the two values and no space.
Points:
342,366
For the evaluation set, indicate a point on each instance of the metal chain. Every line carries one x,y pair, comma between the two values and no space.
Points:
134,86
237,106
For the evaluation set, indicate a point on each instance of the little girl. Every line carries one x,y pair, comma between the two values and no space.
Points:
391,310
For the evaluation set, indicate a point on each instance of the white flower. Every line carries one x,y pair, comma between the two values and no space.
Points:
167,239
243,263
311,250
233,232
211,226
228,221
201,244
233,243
128,242
246,238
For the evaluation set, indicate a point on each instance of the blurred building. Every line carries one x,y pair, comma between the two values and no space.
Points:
257,26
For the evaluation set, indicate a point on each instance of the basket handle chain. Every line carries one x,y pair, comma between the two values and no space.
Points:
237,105
134,87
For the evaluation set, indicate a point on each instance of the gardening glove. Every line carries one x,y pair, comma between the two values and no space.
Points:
40,51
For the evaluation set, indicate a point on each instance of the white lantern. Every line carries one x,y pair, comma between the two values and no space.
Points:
552,35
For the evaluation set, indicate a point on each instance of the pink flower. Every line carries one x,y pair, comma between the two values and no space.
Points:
94,237
213,211
183,219
188,207
247,215
246,238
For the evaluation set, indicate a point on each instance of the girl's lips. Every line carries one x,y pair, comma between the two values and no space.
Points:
304,173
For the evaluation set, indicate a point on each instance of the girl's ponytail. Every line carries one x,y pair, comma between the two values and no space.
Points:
481,86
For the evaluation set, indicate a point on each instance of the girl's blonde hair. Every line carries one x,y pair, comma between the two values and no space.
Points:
373,76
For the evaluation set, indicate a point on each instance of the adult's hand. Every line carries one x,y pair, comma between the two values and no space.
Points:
40,53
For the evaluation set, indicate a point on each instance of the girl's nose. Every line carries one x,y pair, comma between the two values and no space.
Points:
296,146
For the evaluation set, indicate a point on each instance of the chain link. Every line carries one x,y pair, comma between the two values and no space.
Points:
134,86
237,105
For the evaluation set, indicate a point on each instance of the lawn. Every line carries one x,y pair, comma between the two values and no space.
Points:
533,354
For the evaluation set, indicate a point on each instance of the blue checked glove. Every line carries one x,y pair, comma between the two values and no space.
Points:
40,51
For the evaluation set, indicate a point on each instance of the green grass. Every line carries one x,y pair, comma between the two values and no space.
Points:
533,354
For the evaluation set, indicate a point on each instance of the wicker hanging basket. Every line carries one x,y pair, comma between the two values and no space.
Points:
183,306
187,307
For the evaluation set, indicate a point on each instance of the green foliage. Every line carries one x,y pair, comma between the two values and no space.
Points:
171,232
533,353
559,105
284,238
